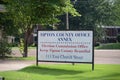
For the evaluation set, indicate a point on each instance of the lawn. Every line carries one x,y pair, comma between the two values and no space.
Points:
65,72
14,48
31,58
109,46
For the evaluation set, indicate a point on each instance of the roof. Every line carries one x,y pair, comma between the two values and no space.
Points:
111,26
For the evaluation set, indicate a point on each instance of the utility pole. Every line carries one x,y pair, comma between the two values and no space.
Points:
67,17
67,21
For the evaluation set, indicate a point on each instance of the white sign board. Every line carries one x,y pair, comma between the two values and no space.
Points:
65,46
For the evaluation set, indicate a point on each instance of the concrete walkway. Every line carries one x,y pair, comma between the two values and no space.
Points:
101,57
14,65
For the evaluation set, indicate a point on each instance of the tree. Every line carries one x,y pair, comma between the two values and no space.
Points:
115,12
6,24
94,14
4,47
24,13
118,38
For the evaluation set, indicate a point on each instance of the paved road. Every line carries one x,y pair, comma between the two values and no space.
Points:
101,57
107,56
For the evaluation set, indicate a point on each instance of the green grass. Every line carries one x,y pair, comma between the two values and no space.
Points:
31,58
28,48
109,46
65,72
21,58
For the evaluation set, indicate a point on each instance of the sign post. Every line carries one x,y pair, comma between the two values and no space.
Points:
65,46
2,78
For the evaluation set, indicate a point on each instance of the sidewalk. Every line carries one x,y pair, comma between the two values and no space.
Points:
14,65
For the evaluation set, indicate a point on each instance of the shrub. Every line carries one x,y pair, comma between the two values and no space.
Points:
97,44
21,46
110,46
15,44
4,48
118,38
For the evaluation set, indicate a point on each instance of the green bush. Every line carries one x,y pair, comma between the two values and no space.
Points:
118,38
13,44
4,48
97,44
21,46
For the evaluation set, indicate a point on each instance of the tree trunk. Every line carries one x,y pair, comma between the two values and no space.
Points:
26,37
25,45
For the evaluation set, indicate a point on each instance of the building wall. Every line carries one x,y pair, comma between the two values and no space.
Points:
10,39
111,33
2,8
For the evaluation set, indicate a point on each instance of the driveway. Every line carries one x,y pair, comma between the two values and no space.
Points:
101,57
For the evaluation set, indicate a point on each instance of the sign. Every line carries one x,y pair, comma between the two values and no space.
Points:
65,46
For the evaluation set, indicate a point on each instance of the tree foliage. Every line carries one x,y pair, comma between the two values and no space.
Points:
7,25
116,12
94,14
24,13
118,38
5,48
